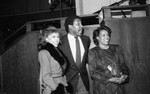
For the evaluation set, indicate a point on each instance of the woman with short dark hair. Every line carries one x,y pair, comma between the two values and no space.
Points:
107,64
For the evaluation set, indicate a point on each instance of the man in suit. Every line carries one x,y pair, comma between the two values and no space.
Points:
77,75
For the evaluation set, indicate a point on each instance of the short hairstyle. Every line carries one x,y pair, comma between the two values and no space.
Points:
69,21
97,31
44,34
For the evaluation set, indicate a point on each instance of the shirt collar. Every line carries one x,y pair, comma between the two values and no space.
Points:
70,36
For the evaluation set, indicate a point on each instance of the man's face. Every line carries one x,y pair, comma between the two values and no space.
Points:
76,28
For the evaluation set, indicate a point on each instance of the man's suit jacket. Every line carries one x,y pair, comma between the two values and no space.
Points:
73,69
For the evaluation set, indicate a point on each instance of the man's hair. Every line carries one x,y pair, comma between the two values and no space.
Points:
69,21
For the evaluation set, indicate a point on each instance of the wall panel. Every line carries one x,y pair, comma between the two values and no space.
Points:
21,67
133,36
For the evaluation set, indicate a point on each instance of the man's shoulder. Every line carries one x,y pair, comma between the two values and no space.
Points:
85,37
63,37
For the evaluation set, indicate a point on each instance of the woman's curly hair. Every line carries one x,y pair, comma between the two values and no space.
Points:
97,31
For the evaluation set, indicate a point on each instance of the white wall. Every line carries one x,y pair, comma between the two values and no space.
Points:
84,7
148,1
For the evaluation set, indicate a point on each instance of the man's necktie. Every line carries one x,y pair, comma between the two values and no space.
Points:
78,52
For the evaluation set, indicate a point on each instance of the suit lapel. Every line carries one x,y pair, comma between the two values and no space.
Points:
68,49
85,47
68,52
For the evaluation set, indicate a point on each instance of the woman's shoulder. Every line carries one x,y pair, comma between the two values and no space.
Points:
116,48
44,53
93,50
96,48
113,46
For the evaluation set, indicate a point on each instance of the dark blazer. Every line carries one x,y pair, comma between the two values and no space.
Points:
74,70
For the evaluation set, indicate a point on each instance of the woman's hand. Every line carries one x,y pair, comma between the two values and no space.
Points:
123,78
114,80
118,80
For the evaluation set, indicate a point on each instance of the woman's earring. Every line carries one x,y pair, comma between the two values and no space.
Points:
97,38
46,39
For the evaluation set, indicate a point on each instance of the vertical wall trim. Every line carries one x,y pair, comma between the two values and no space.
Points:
1,74
79,7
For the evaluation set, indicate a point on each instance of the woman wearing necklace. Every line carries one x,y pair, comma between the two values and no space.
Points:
107,64
52,63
